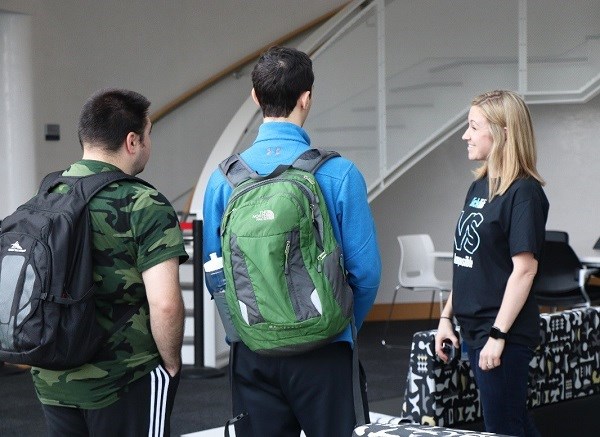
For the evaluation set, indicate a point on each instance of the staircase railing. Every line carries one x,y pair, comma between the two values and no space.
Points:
386,113
207,83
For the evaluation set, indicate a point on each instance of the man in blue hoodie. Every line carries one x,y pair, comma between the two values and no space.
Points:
311,391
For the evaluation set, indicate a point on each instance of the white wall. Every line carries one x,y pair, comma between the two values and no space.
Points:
158,48
16,112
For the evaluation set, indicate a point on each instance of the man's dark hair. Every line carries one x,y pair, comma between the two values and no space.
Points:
109,115
281,75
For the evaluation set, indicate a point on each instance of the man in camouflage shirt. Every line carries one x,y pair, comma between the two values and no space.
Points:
128,388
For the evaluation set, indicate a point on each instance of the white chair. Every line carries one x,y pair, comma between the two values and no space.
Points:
417,270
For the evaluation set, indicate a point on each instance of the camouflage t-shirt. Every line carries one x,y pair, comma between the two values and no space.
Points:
134,228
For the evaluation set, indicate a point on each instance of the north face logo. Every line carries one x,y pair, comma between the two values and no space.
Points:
264,215
16,247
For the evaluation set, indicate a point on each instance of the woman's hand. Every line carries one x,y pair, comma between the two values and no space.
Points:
489,358
445,331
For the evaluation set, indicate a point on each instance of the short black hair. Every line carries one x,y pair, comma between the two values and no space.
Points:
110,114
280,76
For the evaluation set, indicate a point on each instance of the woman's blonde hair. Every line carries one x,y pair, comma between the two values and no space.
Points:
513,155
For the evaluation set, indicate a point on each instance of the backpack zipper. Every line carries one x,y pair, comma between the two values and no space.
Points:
320,259
342,267
312,198
287,254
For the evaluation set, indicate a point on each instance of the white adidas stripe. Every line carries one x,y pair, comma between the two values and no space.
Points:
159,380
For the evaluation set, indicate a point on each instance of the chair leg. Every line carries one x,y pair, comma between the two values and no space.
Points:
441,301
387,322
431,305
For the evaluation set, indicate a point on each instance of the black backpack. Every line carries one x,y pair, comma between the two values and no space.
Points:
47,310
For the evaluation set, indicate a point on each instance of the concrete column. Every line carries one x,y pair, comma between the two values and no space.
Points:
18,181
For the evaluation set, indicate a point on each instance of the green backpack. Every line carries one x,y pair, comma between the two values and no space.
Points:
286,285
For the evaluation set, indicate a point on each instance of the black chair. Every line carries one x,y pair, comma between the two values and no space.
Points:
591,278
561,278
557,236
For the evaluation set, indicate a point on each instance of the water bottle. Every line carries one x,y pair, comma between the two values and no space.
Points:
215,281
215,277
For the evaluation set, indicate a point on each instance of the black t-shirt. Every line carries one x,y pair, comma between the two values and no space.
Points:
488,235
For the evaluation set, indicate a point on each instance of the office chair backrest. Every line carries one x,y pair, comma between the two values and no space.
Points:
417,262
561,236
558,268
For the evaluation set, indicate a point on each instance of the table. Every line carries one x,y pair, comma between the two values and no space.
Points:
565,366
590,261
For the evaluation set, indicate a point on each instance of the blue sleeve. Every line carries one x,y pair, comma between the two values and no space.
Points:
358,238
215,199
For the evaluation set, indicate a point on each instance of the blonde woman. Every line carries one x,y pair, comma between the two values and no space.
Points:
497,245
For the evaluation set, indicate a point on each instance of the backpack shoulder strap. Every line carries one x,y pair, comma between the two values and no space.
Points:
87,186
236,170
90,185
49,181
312,159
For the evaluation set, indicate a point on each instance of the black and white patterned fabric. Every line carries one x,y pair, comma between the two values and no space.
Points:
565,366
413,430
438,393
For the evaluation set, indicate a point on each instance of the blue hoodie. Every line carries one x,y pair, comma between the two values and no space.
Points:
345,193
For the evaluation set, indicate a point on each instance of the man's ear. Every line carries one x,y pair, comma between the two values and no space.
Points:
253,94
131,141
304,99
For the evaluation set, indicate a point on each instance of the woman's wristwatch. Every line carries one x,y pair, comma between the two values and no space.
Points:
497,334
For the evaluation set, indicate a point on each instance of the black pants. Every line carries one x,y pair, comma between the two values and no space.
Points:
283,395
143,409
503,392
